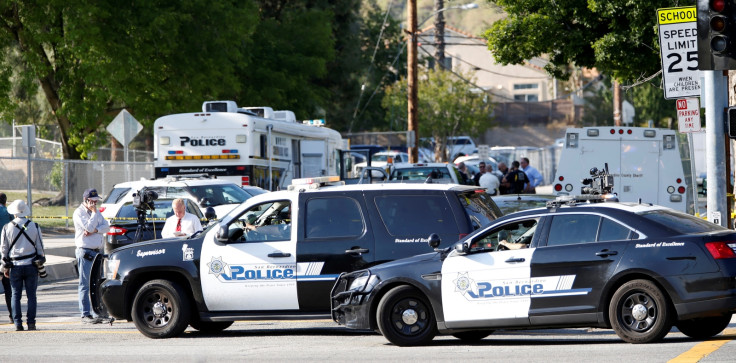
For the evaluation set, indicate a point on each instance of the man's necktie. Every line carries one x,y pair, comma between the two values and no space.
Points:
178,225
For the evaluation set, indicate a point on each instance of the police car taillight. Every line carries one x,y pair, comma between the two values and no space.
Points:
721,250
116,231
102,209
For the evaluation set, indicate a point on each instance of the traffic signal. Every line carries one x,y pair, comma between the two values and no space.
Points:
731,122
716,34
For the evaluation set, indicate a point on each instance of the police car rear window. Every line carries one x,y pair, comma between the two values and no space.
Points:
116,194
680,222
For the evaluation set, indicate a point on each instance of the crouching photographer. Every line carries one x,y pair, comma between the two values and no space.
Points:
21,247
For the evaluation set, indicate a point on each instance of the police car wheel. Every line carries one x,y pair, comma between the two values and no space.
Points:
704,328
639,312
210,326
161,309
405,317
473,336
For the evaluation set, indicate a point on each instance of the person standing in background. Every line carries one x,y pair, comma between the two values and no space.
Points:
534,176
21,247
5,219
89,226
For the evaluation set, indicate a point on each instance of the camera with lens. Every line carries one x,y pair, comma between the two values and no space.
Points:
600,182
143,199
7,263
38,261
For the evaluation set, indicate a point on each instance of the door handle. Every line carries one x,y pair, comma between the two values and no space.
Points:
279,254
515,260
357,250
606,253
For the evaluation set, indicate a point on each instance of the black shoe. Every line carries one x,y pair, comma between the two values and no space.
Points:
19,328
31,327
90,320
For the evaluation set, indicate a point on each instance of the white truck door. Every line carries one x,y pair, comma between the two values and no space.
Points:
313,158
253,272
639,175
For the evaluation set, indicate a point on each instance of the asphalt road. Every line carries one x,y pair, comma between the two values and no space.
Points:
62,337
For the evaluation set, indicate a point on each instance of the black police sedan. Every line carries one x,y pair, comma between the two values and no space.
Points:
124,225
636,268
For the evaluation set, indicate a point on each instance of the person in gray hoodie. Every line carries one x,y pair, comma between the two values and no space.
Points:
21,247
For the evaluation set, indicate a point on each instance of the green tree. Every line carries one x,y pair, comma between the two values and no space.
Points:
93,57
615,36
447,106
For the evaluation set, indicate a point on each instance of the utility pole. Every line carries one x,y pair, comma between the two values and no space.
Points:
413,126
439,34
616,103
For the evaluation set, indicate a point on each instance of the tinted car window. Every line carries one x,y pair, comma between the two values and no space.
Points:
115,195
333,217
416,214
680,222
480,208
163,210
612,231
573,228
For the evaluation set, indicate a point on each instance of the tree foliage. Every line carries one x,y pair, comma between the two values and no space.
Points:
618,37
447,106
91,58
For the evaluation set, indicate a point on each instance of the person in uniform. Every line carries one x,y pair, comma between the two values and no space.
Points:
89,227
22,253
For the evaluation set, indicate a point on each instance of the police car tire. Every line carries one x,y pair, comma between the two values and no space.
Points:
473,336
704,328
390,317
634,295
210,326
161,293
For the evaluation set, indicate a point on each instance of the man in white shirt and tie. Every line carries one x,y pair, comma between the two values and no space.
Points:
181,224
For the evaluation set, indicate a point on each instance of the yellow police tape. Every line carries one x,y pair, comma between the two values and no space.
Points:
113,219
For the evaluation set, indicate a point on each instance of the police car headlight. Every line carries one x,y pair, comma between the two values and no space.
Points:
363,283
111,269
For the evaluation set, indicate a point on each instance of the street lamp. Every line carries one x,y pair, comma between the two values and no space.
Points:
413,126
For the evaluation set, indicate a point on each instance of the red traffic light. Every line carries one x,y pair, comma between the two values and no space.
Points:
718,5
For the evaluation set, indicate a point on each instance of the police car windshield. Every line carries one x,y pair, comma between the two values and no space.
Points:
219,194
680,222
480,207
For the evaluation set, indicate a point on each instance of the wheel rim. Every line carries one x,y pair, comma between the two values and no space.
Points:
638,312
410,316
157,309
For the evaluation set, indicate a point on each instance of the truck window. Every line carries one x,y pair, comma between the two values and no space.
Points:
333,217
415,215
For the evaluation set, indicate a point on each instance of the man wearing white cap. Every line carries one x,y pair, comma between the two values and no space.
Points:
20,246
89,226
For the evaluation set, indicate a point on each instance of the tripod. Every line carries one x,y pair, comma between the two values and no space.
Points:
142,226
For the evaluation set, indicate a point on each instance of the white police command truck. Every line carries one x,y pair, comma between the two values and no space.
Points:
247,145
645,163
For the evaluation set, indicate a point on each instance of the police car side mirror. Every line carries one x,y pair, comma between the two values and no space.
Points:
223,234
434,240
461,248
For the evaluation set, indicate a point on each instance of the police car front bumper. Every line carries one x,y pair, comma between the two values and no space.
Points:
113,293
350,299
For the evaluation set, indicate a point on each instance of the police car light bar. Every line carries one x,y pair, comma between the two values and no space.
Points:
316,182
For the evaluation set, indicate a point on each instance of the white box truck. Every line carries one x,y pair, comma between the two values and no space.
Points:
645,162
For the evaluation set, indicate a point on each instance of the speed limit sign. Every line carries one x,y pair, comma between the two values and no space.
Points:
678,46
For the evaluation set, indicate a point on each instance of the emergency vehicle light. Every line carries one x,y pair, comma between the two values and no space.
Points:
203,157
314,183
173,152
650,133
164,140
233,151
592,132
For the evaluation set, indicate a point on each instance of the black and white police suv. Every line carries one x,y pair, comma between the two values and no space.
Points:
639,269
278,255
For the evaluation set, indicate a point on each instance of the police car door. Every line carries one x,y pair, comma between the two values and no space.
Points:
255,269
488,286
585,249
